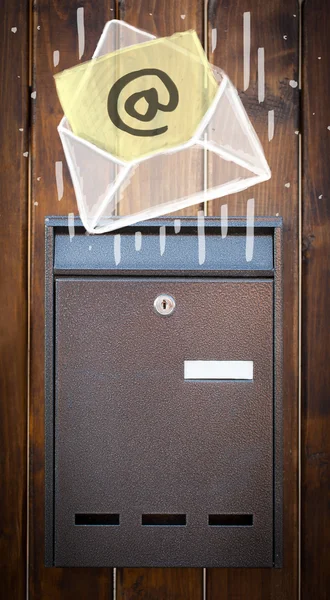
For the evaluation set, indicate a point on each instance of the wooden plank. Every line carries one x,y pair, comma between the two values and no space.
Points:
14,135
54,31
163,17
315,515
274,27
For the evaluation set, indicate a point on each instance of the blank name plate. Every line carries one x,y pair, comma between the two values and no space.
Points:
218,369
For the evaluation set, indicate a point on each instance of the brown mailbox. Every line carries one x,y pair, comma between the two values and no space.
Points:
163,396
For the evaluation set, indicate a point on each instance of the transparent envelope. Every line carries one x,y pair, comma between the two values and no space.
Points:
223,156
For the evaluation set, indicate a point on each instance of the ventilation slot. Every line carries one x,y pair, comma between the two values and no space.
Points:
97,519
231,520
164,520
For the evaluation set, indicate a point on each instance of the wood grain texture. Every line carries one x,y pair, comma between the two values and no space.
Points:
54,29
162,17
316,293
14,56
274,27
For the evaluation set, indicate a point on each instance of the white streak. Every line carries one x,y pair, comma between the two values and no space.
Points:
218,369
59,179
214,39
201,237
117,248
138,241
249,230
71,225
81,31
162,239
271,124
56,57
177,225
261,74
224,220
246,48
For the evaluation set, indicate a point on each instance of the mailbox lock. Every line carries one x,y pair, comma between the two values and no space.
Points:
164,304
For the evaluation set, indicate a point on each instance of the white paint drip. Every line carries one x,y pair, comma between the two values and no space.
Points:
34,95
246,48
271,124
81,31
59,179
138,241
293,83
224,220
117,248
56,57
162,239
249,230
177,225
261,74
14,29
214,39
201,237
71,225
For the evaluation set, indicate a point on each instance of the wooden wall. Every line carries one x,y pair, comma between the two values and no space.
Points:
45,42
14,175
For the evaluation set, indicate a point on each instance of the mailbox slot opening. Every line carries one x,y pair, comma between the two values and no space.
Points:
164,520
97,519
230,520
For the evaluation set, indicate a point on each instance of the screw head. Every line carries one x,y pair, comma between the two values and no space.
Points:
164,305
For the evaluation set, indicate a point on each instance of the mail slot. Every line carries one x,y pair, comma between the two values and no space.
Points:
163,395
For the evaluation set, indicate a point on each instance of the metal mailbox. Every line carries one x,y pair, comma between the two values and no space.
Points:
163,396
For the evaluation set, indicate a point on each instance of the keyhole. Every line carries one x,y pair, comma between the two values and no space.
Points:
164,305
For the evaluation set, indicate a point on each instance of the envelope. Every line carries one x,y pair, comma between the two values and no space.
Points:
205,154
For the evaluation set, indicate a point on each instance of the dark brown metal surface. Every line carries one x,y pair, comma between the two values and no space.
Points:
133,437
152,469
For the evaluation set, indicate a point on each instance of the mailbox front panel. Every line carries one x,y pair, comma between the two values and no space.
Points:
152,466
163,411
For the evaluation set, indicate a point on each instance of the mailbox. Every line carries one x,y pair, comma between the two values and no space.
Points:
163,395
